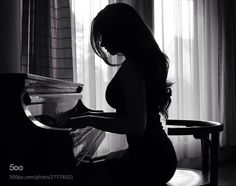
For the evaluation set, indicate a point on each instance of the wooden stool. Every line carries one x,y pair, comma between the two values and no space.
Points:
208,133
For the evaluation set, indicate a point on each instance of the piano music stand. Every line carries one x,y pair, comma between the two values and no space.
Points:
209,147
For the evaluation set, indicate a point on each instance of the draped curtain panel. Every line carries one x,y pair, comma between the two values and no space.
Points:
46,39
227,60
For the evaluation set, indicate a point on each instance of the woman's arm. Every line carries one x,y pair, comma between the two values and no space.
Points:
110,123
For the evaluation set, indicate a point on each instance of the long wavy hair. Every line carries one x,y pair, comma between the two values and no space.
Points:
126,29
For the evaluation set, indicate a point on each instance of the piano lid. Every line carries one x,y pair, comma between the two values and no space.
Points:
37,84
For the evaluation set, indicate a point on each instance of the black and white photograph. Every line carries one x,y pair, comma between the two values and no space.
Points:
118,93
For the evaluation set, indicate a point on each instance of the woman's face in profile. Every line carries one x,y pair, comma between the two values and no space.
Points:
110,45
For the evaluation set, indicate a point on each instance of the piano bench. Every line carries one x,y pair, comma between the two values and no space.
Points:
208,133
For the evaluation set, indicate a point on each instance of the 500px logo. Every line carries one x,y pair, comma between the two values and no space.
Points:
13,167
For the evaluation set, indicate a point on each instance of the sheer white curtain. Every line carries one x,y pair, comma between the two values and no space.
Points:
187,31
89,69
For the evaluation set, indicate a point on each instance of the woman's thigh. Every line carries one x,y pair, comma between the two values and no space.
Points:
142,168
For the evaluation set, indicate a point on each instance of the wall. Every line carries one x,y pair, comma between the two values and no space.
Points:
10,36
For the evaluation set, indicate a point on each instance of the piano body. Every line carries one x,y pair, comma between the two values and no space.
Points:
33,140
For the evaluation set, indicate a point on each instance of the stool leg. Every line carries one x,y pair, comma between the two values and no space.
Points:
214,159
205,154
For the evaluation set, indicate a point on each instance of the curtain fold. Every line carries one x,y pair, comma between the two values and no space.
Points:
46,39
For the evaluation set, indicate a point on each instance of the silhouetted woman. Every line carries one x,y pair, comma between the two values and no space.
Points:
139,92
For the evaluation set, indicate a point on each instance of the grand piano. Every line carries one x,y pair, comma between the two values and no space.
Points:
33,140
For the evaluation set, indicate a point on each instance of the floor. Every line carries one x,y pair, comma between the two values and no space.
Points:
227,174
227,166
226,169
